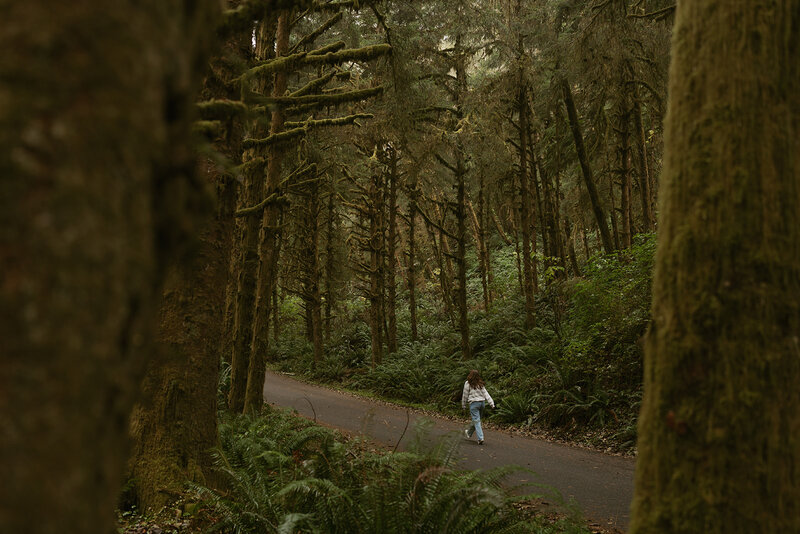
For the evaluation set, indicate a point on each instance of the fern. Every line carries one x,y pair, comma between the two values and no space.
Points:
284,475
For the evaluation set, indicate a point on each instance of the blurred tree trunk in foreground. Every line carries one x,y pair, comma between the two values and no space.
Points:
718,447
175,426
98,194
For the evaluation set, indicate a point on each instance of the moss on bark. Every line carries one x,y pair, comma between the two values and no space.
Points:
720,425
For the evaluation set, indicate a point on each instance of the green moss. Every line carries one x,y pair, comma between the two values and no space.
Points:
221,109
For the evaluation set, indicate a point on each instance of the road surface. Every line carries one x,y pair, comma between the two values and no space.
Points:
600,485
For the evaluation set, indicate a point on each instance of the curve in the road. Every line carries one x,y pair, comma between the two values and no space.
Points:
601,485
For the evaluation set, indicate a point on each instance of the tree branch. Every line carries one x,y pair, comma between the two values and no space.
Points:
311,37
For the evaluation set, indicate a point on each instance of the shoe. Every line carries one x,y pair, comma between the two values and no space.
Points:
466,433
480,442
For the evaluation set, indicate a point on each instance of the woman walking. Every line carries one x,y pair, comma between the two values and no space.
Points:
475,396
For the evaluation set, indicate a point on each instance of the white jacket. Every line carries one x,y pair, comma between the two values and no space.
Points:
471,394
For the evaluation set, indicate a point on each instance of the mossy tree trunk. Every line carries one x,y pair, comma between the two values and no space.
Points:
219,84
623,160
375,241
391,252
482,243
718,434
648,219
411,271
461,255
254,193
330,255
588,175
311,291
174,427
526,204
99,194
268,249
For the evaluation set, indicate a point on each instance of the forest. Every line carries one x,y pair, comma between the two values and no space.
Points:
594,203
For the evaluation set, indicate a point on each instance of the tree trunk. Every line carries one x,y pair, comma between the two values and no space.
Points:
718,433
483,219
613,204
412,258
539,214
376,270
98,196
551,219
444,279
268,250
623,158
525,209
461,257
249,265
219,84
329,260
314,286
648,220
588,177
174,428
391,262
276,316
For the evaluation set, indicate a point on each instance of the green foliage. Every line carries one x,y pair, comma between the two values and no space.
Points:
609,312
285,475
519,407
579,369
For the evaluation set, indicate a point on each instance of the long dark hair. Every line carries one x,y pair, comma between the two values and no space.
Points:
475,379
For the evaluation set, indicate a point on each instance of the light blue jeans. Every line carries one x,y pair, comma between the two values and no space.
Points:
475,411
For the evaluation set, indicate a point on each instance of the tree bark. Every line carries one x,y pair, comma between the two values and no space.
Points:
314,279
588,176
329,260
249,265
219,84
99,194
268,250
648,220
623,159
376,269
391,262
718,433
483,220
175,426
411,273
525,209
461,257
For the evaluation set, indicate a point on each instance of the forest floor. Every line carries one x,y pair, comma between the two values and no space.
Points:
569,479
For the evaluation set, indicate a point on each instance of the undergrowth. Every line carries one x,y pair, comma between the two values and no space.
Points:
578,373
283,474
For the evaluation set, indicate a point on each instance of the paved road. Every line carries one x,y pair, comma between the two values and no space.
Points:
601,485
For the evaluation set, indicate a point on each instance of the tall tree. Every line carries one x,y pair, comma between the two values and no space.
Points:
254,161
718,446
392,175
526,205
268,251
174,425
588,175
